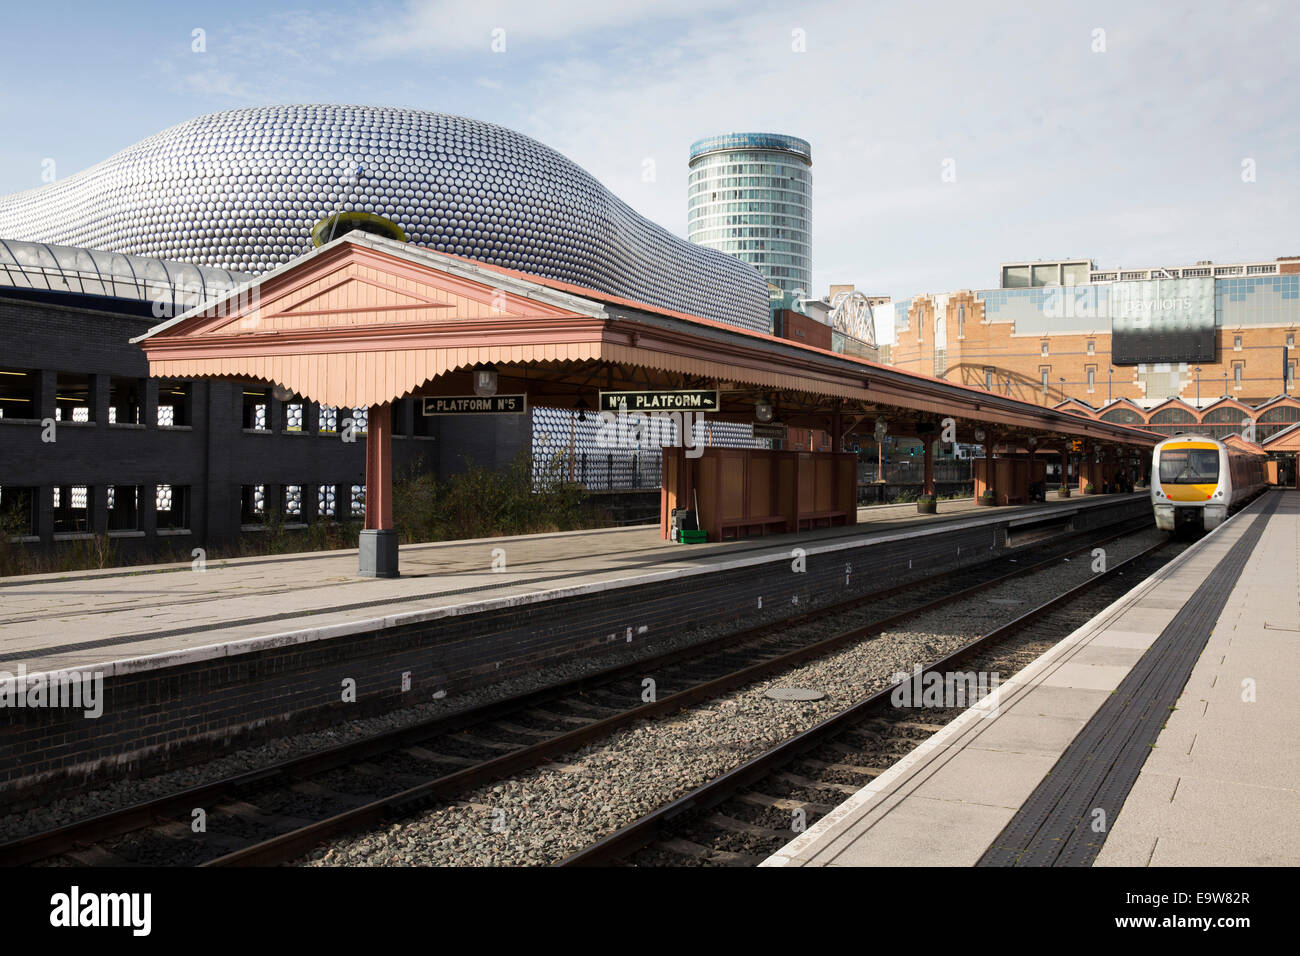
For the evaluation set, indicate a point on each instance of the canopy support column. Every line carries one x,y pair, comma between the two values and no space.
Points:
927,486
378,545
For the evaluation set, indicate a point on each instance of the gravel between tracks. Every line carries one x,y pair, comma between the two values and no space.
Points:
544,815
123,793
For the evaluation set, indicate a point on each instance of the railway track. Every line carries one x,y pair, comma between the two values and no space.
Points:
277,813
742,817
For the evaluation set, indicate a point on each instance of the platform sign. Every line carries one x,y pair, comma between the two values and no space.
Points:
770,431
682,400
475,405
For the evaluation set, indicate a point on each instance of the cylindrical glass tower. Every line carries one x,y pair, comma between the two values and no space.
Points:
750,196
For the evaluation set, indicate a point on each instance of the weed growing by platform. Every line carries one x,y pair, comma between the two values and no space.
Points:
482,503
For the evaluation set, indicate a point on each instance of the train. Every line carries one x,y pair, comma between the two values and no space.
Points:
1197,481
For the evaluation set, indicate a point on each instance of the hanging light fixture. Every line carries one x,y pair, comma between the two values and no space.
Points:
763,410
485,381
582,409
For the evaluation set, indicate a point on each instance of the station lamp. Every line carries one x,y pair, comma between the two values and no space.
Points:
763,410
485,381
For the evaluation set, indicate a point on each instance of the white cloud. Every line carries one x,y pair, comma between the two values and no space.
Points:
452,26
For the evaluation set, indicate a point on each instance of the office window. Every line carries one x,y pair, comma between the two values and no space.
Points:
173,506
329,420
1092,347
1075,273
988,379
1043,348
125,401
295,414
175,398
71,505
252,504
1045,373
1015,277
421,424
20,394
291,501
1092,378
1290,376
257,409
1048,274
74,398
1290,340
1236,375
18,510
961,320
1236,343
123,507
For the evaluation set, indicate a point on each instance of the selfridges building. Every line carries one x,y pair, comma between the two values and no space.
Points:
241,190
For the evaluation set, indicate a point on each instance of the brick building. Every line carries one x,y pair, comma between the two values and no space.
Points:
1211,337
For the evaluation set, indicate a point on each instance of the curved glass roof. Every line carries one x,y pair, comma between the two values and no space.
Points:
777,141
173,286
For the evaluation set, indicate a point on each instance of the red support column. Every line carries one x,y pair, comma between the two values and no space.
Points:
928,480
378,544
379,468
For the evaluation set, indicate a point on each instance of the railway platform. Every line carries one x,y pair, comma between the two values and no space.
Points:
260,646
1160,733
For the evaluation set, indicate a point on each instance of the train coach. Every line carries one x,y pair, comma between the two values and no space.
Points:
1196,481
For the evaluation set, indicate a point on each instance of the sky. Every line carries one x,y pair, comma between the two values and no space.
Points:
947,138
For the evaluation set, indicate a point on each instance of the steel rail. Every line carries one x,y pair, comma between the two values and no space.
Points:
138,816
644,831
289,845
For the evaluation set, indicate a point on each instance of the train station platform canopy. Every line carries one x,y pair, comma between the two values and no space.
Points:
365,320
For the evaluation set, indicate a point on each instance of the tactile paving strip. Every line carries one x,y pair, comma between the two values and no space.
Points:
1097,770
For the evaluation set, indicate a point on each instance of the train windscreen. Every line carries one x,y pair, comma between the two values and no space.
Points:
1193,466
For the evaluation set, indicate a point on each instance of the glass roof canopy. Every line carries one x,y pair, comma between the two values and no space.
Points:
173,287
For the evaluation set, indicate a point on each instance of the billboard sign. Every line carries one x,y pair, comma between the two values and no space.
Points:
1162,320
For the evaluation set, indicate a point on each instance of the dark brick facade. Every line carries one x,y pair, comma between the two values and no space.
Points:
183,713
213,455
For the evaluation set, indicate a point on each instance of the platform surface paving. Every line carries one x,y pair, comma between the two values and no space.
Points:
1221,786
165,612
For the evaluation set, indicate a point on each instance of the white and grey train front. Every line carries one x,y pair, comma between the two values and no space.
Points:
1196,481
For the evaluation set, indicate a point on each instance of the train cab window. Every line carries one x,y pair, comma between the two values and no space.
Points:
1193,466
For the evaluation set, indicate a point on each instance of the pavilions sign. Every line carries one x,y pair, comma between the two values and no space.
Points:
1162,320
687,400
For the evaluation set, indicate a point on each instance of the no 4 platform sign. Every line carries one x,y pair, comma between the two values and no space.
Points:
475,405
686,400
